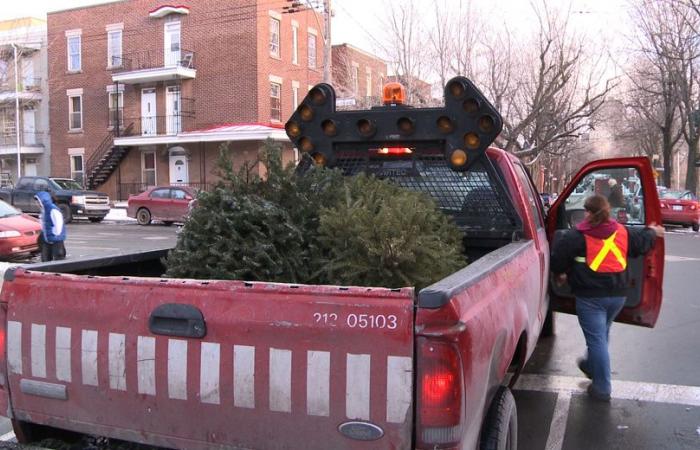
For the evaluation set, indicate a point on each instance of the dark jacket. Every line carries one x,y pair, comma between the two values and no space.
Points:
585,282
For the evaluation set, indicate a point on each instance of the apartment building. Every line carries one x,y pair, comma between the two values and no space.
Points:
24,110
145,93
358,77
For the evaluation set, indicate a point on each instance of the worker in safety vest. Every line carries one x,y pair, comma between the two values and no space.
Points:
593,257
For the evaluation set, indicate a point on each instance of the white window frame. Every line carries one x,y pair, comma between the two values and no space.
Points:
355,78
275,50
71,35
311,56
73,93
295,94
279,97
120,107
74,171
295,42
112,30
154,170
368,81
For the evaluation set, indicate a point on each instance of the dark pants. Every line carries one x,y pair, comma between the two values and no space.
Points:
51,252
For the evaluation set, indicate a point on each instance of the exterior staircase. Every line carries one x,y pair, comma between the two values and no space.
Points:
104,160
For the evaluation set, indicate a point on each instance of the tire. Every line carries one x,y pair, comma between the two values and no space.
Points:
500,428
96,219
548,326
65,211
143,216
696,227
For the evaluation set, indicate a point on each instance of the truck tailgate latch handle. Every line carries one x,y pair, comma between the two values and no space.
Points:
175,319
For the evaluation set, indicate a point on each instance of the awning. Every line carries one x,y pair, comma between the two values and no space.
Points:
236,132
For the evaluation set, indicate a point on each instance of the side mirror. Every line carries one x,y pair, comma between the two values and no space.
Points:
188,197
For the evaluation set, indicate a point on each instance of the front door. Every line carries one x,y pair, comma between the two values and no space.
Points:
30,167
172,44
179,170
173,123
29,127
616,179
148,112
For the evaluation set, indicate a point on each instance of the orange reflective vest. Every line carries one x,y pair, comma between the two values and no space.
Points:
608,255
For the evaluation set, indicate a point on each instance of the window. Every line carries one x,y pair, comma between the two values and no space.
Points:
25,183
275,102
41,185
295,45
312,51
178,194
116,109
3,72
148,168
533,202
114,48
368,82
295,96
355,77
75,112
76,168
161,193
274,37
74,62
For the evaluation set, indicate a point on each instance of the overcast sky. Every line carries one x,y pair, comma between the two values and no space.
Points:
359,22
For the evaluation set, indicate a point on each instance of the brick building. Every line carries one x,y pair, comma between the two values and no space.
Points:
358,77
24,102
144,93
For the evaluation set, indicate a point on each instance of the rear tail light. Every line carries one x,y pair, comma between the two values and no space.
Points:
664,205
440,394
693,207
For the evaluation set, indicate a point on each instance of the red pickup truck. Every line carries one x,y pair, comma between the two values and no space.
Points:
107,347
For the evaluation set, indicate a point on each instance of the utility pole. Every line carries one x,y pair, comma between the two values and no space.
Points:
327,41
297,6
19,147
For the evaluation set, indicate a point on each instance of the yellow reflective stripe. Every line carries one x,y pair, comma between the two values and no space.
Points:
621,259
608,246
581,259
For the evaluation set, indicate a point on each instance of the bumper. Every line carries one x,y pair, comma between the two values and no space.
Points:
680,217
83,211
10,247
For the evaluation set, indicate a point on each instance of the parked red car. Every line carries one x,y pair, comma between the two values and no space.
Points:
19,233
680,208
165,203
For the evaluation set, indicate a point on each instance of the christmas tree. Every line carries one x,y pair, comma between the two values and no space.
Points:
319,228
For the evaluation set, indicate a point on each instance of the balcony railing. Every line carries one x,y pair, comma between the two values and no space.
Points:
160,125
153,59
26,84
28,138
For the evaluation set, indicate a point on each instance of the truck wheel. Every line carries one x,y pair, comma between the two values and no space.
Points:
65,211
143,216
548,326
696,227
500,429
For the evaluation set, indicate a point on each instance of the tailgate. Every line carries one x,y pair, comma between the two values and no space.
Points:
278,366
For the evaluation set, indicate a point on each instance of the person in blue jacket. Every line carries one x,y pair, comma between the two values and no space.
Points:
53,229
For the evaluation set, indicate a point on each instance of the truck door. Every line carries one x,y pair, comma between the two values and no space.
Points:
617,179
23,195
194,364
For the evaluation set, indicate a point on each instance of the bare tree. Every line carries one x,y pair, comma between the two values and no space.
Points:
442,40
546,88
406,47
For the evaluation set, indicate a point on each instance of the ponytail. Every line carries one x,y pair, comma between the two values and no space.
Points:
598,208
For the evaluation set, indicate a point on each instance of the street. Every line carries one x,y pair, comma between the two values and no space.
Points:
656,387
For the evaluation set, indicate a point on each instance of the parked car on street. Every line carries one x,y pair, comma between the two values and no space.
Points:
680,208
167,204
19,233
70,197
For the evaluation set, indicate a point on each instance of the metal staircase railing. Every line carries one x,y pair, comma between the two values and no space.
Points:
104,160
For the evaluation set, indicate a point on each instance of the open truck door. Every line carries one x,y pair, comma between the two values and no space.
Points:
617,179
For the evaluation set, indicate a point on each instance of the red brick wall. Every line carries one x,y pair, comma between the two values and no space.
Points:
230,39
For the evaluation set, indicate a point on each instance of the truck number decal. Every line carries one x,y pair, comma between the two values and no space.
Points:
359,320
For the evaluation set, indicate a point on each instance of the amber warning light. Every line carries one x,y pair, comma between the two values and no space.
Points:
394,151
394,94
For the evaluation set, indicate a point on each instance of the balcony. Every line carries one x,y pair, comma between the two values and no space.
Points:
31,142
154,65
153,130
29,90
